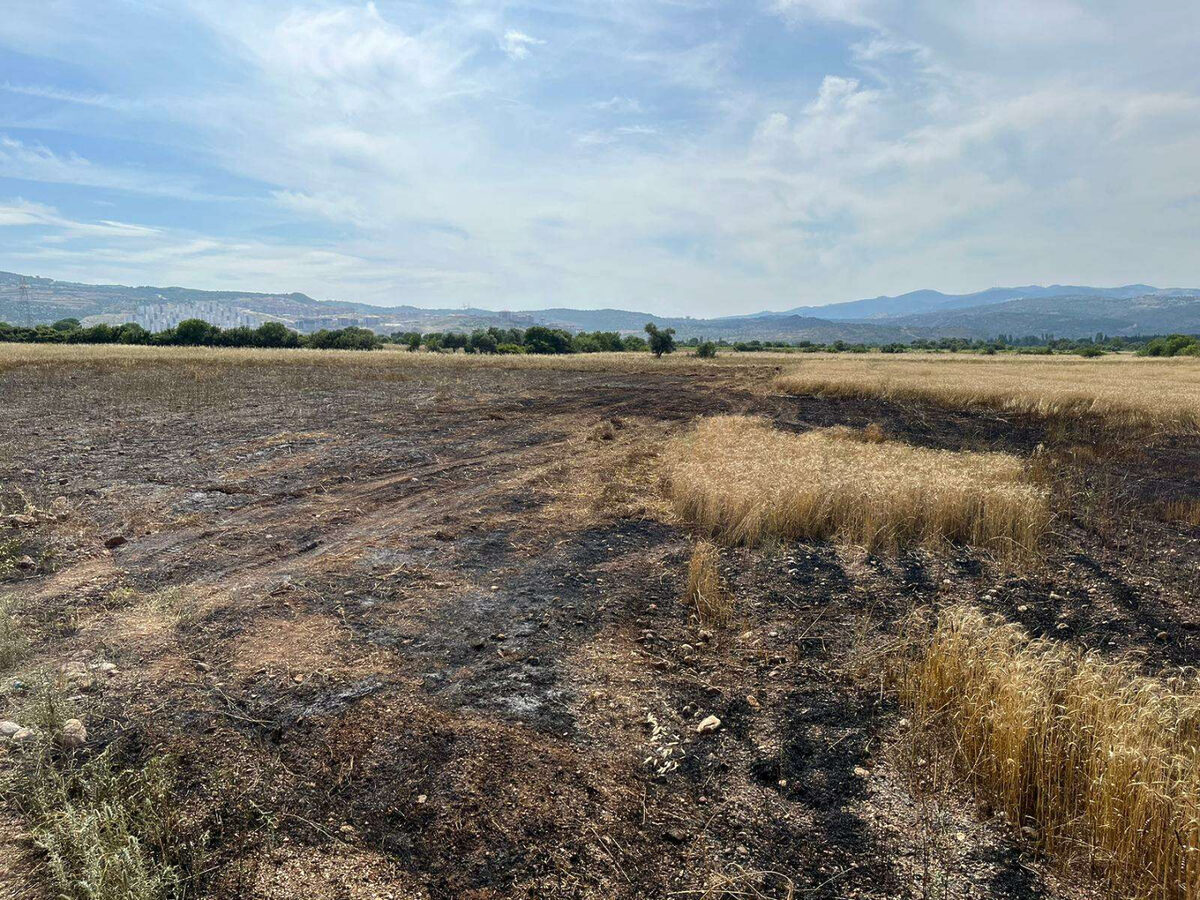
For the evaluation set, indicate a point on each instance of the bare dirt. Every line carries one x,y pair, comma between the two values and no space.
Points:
419,634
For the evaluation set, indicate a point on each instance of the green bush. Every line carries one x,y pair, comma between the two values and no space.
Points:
707,350
107,832
540,339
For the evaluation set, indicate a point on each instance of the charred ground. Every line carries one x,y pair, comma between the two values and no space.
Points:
417,632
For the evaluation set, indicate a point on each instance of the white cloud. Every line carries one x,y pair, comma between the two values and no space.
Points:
945,145
23,213
629,105
516,44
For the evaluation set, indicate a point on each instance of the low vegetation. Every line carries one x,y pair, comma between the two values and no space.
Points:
1122,393
1094,761
706,590
191,333
13,644
742,481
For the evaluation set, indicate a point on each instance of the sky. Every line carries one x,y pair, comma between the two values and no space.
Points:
681,157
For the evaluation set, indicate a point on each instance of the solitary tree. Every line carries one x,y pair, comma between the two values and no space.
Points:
661,341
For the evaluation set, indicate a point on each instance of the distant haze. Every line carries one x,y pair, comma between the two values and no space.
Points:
1061,310
678,157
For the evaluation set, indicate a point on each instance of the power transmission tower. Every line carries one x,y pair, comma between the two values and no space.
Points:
24,302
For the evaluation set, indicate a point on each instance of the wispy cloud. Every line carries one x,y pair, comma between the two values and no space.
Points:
680,155
517,44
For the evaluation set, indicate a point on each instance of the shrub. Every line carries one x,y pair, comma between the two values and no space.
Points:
108,833
633,343
707,350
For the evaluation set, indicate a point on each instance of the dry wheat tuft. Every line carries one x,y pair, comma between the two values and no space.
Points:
1123,393
1184,511
1095,761
706,589
742,481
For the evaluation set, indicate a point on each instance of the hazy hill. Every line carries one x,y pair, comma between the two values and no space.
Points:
1076,316
926,301
1063,311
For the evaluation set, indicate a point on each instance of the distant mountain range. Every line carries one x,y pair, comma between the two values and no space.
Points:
1062,310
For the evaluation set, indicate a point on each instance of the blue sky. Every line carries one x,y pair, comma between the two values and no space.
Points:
696,157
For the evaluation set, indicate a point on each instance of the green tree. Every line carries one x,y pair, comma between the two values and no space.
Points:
194,333
540,339
275,334
661,340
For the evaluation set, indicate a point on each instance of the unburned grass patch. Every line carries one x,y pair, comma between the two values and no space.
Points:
739,480
1097,763
1117,393
1184,511
13,643
706,590
106,829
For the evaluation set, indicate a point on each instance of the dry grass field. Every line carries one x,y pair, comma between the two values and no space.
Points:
298,624
1104,760
1121,391
740,479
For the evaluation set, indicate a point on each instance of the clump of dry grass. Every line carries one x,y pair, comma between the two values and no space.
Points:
706,590
742,481
1185,511
1120,392
1096,762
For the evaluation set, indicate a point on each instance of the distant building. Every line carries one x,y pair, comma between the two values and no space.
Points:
161,316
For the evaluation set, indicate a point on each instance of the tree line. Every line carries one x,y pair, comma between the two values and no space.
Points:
540,339
192,333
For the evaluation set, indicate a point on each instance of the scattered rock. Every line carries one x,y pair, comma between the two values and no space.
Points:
752,701
24,736
26,563
708,725
22,521
74,735
1162,636
861,772
675,836
116,540
8,729
106,668
77,675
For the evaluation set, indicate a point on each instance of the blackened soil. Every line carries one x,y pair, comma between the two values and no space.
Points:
383,621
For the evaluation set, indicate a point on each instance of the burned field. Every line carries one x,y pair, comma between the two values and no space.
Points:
421,631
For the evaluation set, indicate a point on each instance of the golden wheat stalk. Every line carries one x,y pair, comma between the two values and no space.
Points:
741,481
1091,757
1137,394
